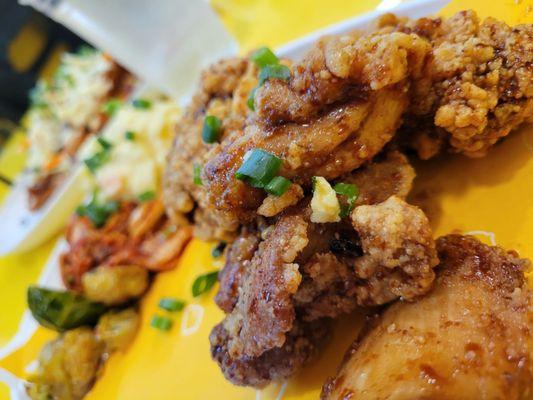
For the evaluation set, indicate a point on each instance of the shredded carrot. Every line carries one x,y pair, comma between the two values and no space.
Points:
54,162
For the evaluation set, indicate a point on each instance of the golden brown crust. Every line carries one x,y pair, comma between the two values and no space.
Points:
470,338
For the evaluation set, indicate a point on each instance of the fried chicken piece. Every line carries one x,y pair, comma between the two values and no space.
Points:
302,272
477,86
470,338
223,92
300,347
398,251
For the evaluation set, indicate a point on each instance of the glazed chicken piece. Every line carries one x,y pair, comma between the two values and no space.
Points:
469,338
341,106
477,86
295,272
224,89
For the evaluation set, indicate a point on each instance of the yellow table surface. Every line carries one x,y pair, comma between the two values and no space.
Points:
490,197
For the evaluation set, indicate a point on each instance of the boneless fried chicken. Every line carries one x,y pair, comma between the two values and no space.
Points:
295,271
469,338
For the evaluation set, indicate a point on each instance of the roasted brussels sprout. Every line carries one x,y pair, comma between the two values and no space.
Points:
114,285
117,329
61,310
67,366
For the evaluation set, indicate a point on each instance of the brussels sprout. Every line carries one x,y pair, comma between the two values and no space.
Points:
61,310
118,329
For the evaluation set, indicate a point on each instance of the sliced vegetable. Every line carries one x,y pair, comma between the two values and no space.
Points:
251,99
258,168
277,71
161,323
129,135
211,129
104,143
112,106
203,283
219,249
197,174
147,196
142,104
263,57
171,304
61,310
101,157
278,185
351,192
98,213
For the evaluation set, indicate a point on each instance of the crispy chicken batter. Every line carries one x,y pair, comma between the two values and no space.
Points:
302,272
470,338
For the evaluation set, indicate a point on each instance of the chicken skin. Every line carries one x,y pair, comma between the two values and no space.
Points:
470,338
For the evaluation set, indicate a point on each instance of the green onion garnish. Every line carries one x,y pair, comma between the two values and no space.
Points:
251,99
263,57
147,196
203,283
258,168
211,130
161,323
100,158
218,250
171,304
351,192
197,174
129,135
274,72
112,106
142,104
104,143
278,185
98,213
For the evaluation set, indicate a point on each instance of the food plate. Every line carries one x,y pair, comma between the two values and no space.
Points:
179,362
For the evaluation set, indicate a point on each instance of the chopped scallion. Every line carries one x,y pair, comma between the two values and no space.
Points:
147,196
97,160
218,250
211,129
263,57
171,304
104,143
203,283
197,174
142,104
161,323
251,99
351,192
278,185
112,106
98,213
277,71
258,168
129,135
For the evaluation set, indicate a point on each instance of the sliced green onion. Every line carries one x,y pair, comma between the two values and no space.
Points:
278,185
274,72
142,104
211,130
203,283
97,160
171,304
104,143
129,135
351,192
161,323
263,57
147,196
251,99
258,168
112,106
218,250
197,174
98,213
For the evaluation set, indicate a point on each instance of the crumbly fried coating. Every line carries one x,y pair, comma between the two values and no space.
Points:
477,86
469,338
398,251
223,92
